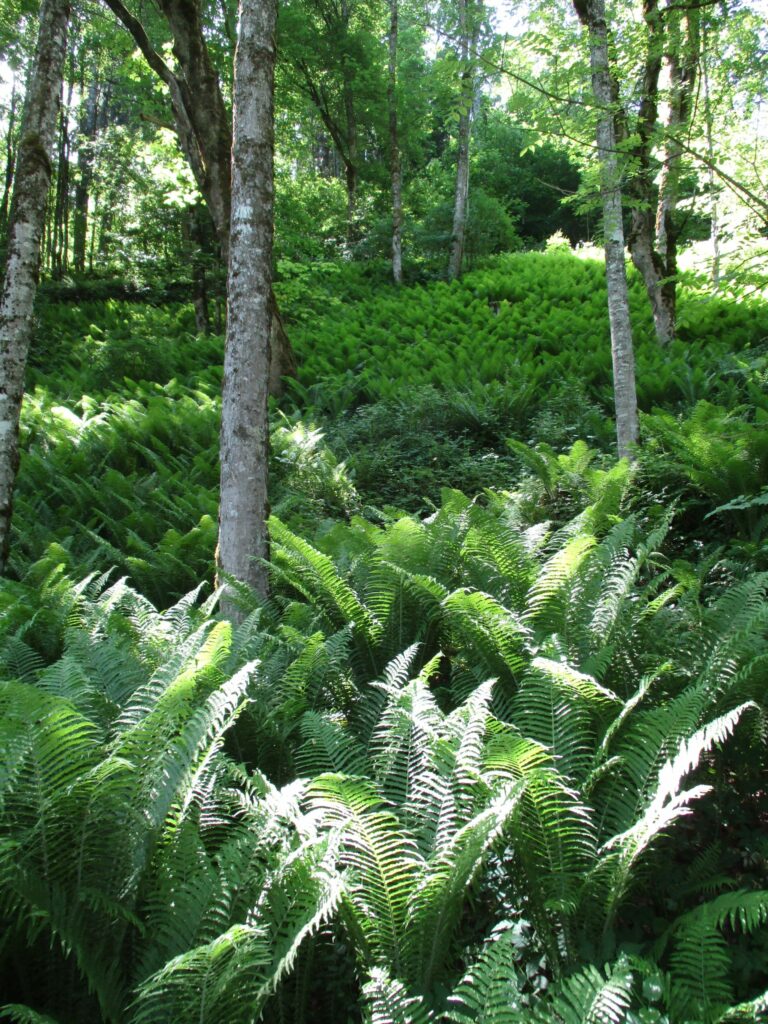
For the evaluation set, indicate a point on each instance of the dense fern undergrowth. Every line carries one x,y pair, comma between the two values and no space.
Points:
493,751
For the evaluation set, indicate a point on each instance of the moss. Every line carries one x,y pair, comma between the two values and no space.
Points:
33,156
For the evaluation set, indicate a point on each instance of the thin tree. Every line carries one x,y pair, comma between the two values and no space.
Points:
27,220
468,35
10,160
243,536
652,239
592,15
204,130
394,149
85,144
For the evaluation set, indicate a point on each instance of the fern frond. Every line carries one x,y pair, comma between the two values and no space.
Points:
382,860
436,904
667,803
24,1015
591,997
327,747
389,1002
489,993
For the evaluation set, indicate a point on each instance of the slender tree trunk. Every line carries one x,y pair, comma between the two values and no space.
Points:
394,150
714,221
204,130
350,116
199,279
61,204
592,16
461,199
86,136
243,535
683,60
659,284
33,179
10,162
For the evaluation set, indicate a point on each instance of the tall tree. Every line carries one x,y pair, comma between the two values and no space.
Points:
592,15
396,175
243,537
671,32
204,130
10,160
86,138
31,186
328,47
468,28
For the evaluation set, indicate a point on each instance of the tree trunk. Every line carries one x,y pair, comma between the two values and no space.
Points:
10,162
61,204
461,199
657,274
243,536
652,267
394,151
86,136
33,179
193,238
204,106
204,131
592,16
683,59
351,119
653,235
714,220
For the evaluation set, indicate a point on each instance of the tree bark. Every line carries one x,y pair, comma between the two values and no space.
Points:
33,180
653,234
652,267
683,61
204,131
467,37
10,162
86,136
394,149
244,508
351,119
592,15
714,219
193,237
59,257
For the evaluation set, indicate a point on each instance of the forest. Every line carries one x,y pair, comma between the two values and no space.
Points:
384,512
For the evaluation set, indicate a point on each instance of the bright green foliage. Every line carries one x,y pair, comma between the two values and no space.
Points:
533,319
137,841
498,764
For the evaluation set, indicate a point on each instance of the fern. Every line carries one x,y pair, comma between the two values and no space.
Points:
490,992
388,1001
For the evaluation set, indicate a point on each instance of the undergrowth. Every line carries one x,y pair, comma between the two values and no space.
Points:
494,749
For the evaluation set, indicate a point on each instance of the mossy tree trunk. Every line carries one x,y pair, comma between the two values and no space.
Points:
27,221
